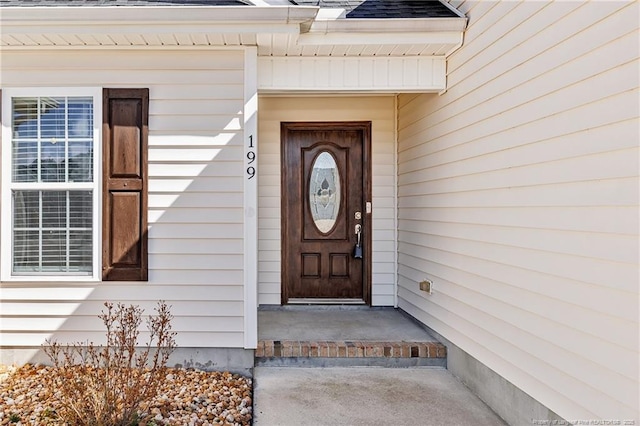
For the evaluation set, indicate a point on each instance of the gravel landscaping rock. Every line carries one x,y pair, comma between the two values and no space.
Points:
188,397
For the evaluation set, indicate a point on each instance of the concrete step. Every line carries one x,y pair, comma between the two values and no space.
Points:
422,396
337,353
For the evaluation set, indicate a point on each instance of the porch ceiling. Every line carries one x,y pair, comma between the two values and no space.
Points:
275,30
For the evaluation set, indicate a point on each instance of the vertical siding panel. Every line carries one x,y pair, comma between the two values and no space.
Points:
518,196
195,196
379,110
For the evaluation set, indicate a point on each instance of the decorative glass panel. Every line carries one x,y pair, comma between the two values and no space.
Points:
324,192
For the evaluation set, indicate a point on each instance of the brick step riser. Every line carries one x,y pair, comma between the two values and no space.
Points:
295,353
318,362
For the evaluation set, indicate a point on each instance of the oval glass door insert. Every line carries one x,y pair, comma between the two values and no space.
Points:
324,191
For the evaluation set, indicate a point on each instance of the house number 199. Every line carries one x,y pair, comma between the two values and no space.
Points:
251,158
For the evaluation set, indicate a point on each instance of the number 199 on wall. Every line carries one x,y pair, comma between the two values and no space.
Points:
251,158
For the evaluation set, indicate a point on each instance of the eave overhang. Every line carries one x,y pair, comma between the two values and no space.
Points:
300,49
61,15
444,35
147,26
307,32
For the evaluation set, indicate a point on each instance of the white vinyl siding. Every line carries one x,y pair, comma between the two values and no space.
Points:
377,109
518,196
360,73
195,196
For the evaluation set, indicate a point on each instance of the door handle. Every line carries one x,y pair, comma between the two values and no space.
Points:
357,252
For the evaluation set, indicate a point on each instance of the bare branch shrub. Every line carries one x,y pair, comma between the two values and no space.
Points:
113,384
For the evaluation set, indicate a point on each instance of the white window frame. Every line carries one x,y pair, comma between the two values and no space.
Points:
6,200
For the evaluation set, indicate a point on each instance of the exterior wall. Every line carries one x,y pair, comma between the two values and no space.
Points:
379,110
518,196
376,74
195,197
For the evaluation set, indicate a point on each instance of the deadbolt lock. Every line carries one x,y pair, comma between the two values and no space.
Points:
358,215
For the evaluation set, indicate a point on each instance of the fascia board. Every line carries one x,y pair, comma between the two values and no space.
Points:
361,38
389,25
176,15
156,28
384,31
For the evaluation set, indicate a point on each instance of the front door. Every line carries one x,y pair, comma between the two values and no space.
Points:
326,220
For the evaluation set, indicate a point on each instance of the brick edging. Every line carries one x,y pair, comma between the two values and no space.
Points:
349,349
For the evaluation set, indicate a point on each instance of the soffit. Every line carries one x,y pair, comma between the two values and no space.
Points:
139,26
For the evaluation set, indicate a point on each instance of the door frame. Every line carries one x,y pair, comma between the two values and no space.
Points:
365,128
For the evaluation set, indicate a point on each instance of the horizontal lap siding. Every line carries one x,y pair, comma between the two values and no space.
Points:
518,196
379,110
195,197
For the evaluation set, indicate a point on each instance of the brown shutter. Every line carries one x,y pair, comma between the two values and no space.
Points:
124,191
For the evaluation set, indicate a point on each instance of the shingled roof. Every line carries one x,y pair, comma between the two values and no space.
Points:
401,9
377,9
10,3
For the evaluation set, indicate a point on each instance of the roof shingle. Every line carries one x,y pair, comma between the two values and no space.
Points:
401,9
378,9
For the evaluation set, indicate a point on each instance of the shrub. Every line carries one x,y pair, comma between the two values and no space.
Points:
113,384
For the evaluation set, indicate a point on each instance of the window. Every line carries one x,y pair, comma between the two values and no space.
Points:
51,182
74,184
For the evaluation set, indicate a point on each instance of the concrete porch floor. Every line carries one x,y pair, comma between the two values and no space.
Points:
339,323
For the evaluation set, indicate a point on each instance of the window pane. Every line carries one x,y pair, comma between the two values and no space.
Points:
26,251
25,117
80,162
26,209
52,231
52,160
54,209
52,139
80,117
53,112
25,161
80,209
52,124
54,248
80,251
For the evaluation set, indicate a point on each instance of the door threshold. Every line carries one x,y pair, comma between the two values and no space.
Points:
325,301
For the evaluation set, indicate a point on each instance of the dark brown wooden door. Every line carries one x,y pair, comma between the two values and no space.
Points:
325,188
